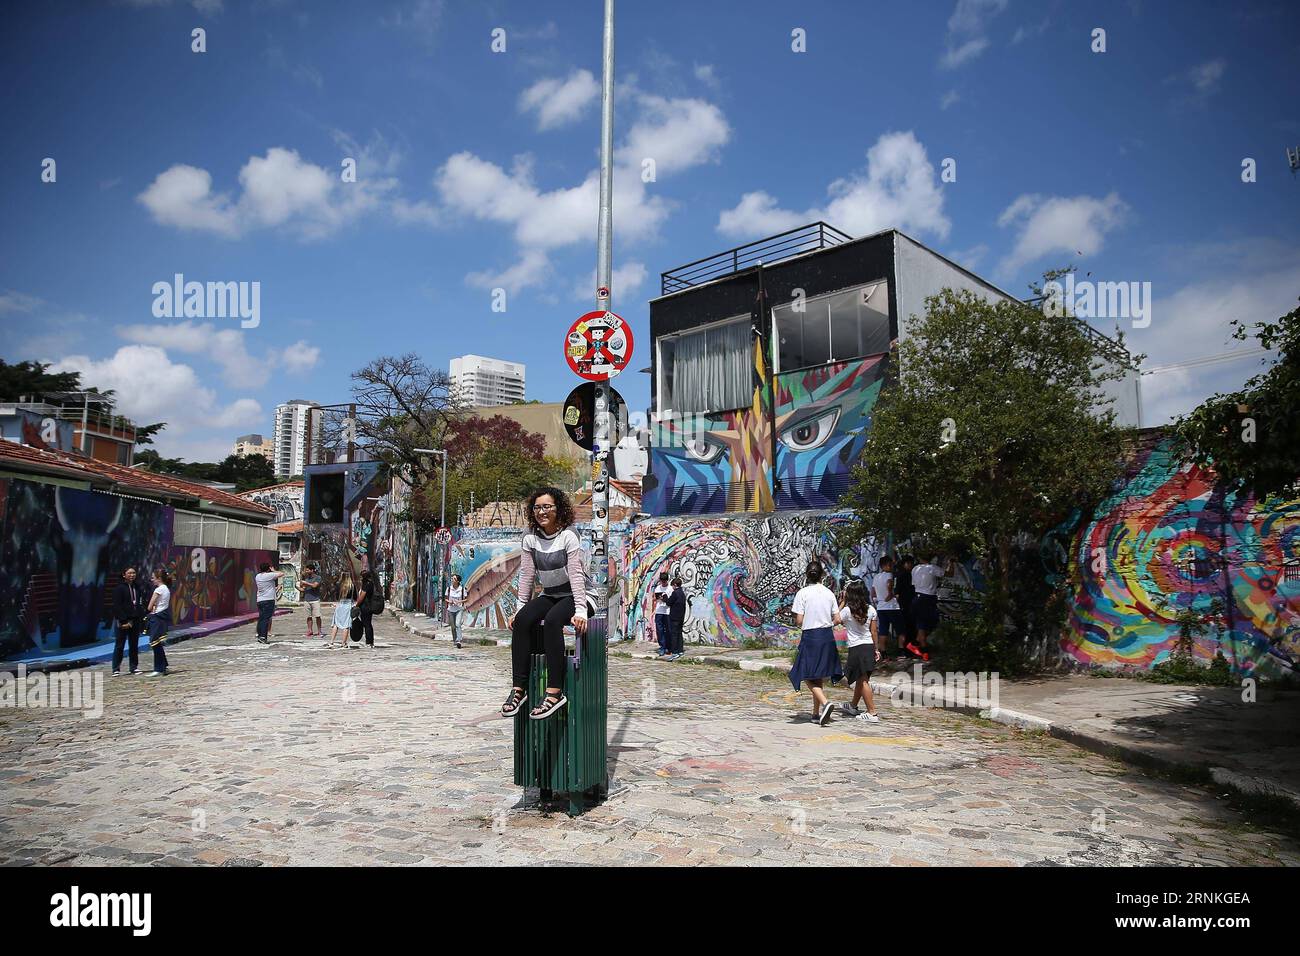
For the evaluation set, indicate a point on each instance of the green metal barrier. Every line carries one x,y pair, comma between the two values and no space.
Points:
567,753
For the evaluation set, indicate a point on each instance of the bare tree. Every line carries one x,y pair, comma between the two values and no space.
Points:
402,405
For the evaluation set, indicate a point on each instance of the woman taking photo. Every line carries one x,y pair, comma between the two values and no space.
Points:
159,620
553,558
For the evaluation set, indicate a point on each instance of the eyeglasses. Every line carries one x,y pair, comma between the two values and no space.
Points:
543,507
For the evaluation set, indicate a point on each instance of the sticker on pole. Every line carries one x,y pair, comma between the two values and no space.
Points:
598,346
580,415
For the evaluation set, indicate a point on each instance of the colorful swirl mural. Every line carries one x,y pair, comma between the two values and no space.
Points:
1171,539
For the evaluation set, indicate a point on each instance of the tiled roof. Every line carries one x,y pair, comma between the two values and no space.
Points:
135,480
288,527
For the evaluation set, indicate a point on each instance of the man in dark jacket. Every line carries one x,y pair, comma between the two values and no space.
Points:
676,619
129,603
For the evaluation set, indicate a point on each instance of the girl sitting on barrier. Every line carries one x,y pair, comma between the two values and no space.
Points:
553,558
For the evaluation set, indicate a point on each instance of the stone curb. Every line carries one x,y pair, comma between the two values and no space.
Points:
430,630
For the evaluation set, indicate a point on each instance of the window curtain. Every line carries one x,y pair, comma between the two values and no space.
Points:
713,369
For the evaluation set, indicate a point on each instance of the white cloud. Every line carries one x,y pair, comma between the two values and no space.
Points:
1028,33
279,190
300,356
898,189
560,102
226,347
1205,76
151,388
625,280
948,99
206,7
11,301
967,31
708,75
1059,224
676,133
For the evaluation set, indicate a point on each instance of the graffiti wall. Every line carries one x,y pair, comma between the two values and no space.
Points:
488,561
361,539
62,552
726,461
740,573
1170,538
285,500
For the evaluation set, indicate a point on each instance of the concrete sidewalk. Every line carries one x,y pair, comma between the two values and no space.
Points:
1209,733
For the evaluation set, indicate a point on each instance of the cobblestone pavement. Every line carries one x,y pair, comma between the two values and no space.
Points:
297,754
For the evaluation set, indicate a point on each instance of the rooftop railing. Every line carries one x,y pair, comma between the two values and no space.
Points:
784,245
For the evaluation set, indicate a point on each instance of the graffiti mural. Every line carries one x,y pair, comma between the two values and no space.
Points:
740,573
724,462
62,552
285,500
361,540
1170,539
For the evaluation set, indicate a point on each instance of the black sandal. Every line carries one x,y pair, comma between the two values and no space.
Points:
516,700
549,706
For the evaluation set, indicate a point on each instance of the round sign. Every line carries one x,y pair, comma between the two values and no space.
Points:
579,415
598,346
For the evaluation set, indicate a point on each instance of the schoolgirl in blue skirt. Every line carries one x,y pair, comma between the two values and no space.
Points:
817,659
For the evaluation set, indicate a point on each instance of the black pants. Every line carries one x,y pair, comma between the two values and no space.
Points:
675,626
556,612
368,625
127,637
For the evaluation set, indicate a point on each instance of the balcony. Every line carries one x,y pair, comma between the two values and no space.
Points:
784,245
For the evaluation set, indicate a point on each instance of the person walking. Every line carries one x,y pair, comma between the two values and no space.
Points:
817,658
676,620
925,609
906,592
311,598
455,606
128,617
860,622
370,601
342,623
661,594
266,580
159,620
553,558
889,614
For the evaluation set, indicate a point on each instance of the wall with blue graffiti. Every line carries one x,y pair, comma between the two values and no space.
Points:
62,551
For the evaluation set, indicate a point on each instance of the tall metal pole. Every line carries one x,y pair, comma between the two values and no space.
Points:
442,521
601,449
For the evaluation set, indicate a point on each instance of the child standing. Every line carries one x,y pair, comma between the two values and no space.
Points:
889,613
455,606
342,624
859,619
817,659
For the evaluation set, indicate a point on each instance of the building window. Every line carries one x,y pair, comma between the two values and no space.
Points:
833,328
709,369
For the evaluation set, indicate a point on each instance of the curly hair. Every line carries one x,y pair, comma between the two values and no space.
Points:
563,508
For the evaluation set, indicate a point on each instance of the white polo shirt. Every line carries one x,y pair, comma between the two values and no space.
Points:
817,605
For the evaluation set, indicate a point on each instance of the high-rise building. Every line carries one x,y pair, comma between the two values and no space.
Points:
476,380
246,445
291,440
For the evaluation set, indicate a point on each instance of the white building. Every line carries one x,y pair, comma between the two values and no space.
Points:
291,441
476,380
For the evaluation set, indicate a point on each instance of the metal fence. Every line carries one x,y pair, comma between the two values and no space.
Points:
212,531
784,245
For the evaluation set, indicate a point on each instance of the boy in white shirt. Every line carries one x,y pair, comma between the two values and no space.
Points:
890,614
859,620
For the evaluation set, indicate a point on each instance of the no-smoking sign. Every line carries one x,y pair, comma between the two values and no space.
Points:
598,346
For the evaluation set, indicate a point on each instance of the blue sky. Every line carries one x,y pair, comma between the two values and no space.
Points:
476,171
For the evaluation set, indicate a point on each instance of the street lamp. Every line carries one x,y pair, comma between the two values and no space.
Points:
442,520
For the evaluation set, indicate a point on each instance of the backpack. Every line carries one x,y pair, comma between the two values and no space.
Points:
375,600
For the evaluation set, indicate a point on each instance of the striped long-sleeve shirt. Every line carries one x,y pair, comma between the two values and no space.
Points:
557,563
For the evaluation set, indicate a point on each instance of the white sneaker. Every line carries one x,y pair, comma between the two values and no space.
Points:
870,718
848,710
155,674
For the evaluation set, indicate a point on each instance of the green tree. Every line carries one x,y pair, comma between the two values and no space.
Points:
247,472
31,378
991,430
1252,436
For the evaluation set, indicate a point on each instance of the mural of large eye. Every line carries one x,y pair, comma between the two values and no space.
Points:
702,451
811,432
